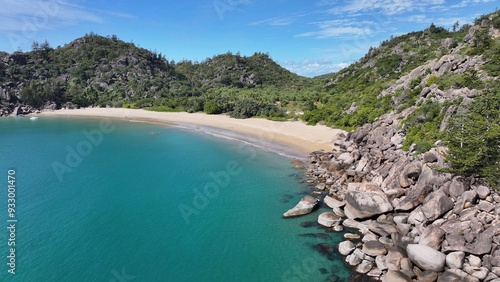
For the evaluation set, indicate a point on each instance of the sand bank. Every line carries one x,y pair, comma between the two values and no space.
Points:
293,134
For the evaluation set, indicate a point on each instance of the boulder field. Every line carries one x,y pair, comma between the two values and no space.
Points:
415,222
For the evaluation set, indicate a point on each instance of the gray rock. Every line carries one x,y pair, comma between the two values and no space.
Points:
350,223
339,212
374,248
380,262
366,202
474,261
352,236
305,206
436,204
483,192
375,272
453,275
455,260
364,267
426,257
432,236
395,276
338,228
417,217
394,256
382,228
353,259
333,203
346,159
480,273
457,188
485,206
430,157
328,219
414,198
427,276
465,199
346,247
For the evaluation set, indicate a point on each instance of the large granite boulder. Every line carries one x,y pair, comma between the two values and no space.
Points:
305,206
374,248
366,200
432,236
426,257
436,204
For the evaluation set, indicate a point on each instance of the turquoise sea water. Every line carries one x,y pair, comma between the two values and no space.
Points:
101,200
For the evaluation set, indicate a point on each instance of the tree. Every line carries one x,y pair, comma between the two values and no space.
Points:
473,139
211,108
456,25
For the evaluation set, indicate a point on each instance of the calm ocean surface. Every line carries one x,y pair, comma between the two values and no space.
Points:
121,201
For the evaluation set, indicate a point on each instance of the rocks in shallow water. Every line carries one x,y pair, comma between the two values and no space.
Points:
333,203
323,270
350,223
351,236
308,224
305,206
322,236
364,267
326,250
328,219
442,220
426,257
346,247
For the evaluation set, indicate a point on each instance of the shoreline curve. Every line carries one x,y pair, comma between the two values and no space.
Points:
289,138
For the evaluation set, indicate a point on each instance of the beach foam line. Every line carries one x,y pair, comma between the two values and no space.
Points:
285,137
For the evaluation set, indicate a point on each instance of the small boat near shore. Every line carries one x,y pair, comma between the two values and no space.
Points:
33,118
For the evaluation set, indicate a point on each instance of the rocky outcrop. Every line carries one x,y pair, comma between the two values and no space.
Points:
415,222
305,206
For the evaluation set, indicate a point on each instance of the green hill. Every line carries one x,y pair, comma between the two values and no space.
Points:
436,83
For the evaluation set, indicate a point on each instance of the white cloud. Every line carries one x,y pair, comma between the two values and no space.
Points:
386,7
465,3
279,21
312,68
28,16
345,29
337,32
441,21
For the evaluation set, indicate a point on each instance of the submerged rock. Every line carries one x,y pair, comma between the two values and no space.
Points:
322,236
308,224
305,206
326,250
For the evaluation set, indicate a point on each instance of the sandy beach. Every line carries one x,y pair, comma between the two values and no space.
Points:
293,134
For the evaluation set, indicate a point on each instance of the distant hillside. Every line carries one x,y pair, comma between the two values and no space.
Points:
240,72
105,71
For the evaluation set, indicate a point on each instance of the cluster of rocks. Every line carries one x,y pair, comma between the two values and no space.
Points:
415,222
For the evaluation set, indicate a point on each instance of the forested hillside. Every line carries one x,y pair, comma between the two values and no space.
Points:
438,84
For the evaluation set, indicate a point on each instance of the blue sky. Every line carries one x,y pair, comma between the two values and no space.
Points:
307,37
